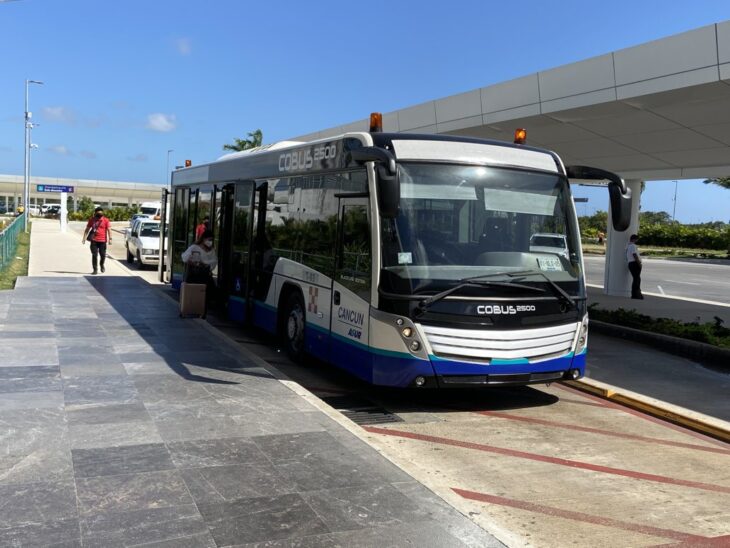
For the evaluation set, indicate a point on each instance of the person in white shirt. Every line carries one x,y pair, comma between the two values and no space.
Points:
200,261
633,258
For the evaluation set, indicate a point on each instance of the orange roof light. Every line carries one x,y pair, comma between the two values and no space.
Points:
376,122
520,136
188,163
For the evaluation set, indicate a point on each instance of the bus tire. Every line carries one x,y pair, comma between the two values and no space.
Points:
293,326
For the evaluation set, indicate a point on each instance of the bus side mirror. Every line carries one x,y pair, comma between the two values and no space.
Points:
618,193
620,206
388,181
388,193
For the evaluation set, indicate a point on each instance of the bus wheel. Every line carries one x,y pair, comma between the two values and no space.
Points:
293,326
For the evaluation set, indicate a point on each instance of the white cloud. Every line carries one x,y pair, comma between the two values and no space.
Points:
184,46
161,122
63,150
89,155
138,158
63,115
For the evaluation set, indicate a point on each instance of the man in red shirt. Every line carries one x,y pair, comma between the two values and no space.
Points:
98,232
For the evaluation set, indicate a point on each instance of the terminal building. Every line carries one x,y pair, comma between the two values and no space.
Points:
106,193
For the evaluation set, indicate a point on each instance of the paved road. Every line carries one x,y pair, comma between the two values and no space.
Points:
709,282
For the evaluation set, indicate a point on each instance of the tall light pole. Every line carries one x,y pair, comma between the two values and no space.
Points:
167,167
674,210
26,167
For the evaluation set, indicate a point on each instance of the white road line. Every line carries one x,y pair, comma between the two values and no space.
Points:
661,291
680,282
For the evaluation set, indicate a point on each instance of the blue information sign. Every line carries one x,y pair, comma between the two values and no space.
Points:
54,188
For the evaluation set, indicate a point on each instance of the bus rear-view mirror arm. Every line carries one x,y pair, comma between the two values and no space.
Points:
619,194
388,181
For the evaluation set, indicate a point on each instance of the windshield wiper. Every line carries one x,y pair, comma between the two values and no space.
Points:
559,291
473,281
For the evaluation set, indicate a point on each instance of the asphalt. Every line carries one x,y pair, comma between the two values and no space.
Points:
125,425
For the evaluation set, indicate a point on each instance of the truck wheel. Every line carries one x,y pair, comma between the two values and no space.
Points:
293,326
140,264
130,257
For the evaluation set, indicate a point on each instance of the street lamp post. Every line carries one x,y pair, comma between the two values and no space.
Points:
674,209
167,167
26,166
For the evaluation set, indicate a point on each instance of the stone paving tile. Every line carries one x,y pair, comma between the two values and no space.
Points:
56,533
131,492
149,527
216,452
253,424
31,400
30,379
23,504
71,370
371,505
90,436
259,519
218,484
107,414
121,460
101,389
27,353
47,462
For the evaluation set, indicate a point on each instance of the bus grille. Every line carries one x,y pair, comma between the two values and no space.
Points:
486,345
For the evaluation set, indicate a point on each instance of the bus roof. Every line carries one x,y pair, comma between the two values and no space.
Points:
287,158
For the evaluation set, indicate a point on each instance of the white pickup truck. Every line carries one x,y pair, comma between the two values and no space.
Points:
142,241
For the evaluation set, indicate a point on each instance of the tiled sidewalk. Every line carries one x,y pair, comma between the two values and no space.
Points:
123,425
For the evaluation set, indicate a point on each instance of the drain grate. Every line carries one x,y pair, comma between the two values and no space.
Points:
361,411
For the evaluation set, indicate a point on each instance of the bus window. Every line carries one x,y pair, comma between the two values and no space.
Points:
180,223
354,270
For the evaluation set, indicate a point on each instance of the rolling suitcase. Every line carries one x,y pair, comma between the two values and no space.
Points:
192,300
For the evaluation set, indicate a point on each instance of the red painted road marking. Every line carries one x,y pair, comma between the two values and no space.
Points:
550,460
604,432
634,412
706,542
579,516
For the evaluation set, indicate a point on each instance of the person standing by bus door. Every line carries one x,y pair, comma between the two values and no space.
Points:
98,232
634,260
202,227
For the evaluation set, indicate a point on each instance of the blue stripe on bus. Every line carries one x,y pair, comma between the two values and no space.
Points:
507,367
237,309
264,316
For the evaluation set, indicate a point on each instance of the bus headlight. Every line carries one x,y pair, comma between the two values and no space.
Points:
406,332
582,340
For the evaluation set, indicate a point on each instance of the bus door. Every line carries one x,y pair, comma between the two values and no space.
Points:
351,287
240,230
261,272
224,220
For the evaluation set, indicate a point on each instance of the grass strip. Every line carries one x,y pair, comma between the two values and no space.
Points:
709,332
19,266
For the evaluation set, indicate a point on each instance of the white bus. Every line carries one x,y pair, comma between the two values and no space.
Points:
404,259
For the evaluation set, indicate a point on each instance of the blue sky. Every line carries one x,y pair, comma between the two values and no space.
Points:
127,81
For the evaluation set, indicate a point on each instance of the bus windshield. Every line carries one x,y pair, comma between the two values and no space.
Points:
459,221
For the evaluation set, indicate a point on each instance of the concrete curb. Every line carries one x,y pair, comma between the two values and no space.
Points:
718,358
710,426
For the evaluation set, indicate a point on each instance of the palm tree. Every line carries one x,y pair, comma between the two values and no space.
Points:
724,182
255,138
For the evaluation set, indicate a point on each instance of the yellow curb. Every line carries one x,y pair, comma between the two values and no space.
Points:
710,426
